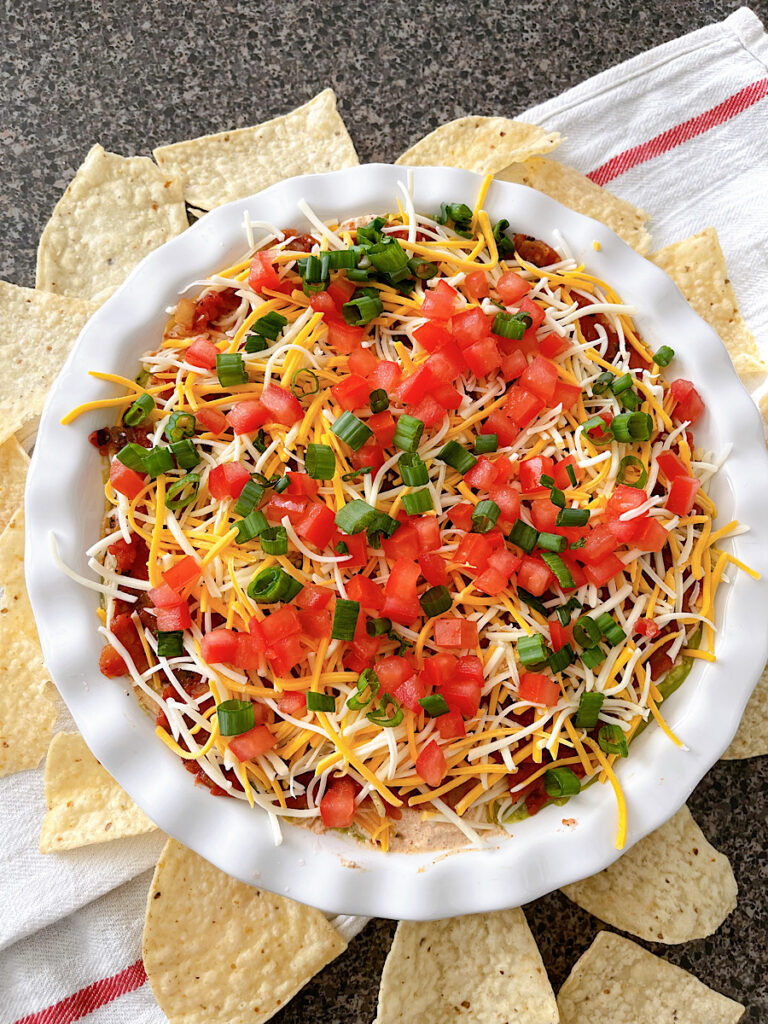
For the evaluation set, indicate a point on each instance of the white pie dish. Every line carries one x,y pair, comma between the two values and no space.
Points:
331,871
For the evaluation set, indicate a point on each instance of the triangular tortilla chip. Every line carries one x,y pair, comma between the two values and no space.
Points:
85,804
479,968
697,266
482,144
573,189
14,463
618,982
38,329
670,887
752,738
217,951
216,169
27,707
115,210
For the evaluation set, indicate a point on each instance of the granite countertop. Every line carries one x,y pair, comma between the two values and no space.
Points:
132,76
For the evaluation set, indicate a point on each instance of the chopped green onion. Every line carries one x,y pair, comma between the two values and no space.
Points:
564,611
360,273
249,498
551,542
260,441
269,326
572,517
560,660
484,516
435,705
183,492
629,400
367,680
179,426
418,501
132,456
320,701
413,469
376,627
381,525
589,709
509,325
408,433
274,540
559,568
352,431
281,484
378,400
389,257
353,474
458,458
577,544
423,269
381,715
230,369
355,516
631,462
586,632
369,234
531,649
571,474
139,411
557,497
435,601
345,619
315,271
531,601
593,656
360,311
485,443
503,241
185,453
664,355
610,629
623,383
561,781
632,426
157,461
597,423
546,480
320,461
612,740
170,643
524,536
254,525
272,585
235,717
304,382
603,383
255,343
459,213
343,259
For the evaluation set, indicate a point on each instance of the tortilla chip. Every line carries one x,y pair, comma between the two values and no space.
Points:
13,474
670,887
697,266
85,804
38,329
482,144
482,967
27,708
571,188
216,169
617,981
217,951
752,738
115,210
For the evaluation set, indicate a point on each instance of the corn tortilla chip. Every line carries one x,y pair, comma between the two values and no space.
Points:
697,266
38,329
216,169
482,144
752,738
85,804
618,982
13,476
115,210
27,706
670,887
217,951
478,969
571,188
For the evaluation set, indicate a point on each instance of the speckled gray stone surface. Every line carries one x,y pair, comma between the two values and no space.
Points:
134,75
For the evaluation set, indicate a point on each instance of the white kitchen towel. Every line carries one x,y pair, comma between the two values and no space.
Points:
679,130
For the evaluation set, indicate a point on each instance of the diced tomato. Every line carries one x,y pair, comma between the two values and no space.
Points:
446,395
219,645
428,410
461,515
393,671
566,395
352,392
361,652
559,635
483,357
534,576
401,603
184,572
521,406
317,525
211,419
227,480
369,594
491,581
447,363
500,424
165,597
430,764
202,352
647,627
383,426
544,515
281,405
404,543
433,569
653,536
386,376
125,552
341,290
439,668
504,561
539,378
538,689
671,465
688,403
292,703
462,694
439,302
337,807
322,302
432,336
249,652
302,485
416,386
535,312
601,572
312,595
111,663
177,617
246,416
470,325
357,547
253,743
285,655
262,273
344,337
560,473
552,345
362,362
280,505
505,469
428,532
476,284
507,497
623,500
470,667
277,626
511,287
315,623
601,542
682,495
410,691
371,454
475,550
451,726
482,476
455,632
513,365
124,480
532,470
